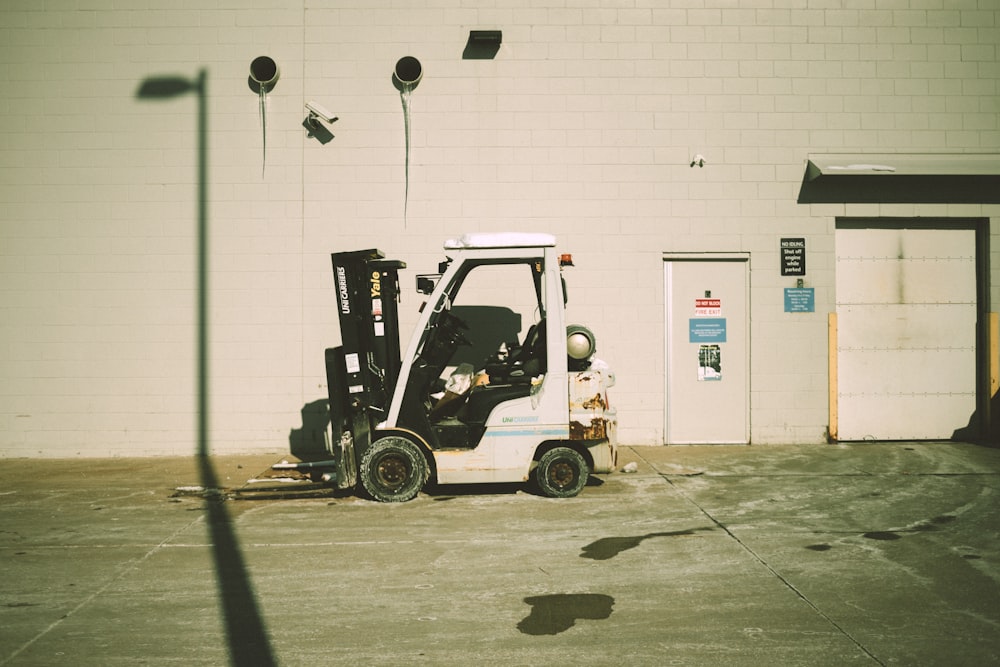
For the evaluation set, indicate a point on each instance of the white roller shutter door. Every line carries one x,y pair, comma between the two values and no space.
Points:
906,319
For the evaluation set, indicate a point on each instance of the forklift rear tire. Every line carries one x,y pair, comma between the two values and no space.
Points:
393,470
561,473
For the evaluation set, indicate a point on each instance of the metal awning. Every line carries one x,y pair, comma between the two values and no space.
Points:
854,164
901,177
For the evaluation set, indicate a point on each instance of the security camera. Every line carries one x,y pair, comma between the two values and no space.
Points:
317,110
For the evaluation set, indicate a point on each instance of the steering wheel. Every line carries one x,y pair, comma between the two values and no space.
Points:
452,326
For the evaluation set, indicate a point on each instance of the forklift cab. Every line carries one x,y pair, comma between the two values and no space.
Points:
474,353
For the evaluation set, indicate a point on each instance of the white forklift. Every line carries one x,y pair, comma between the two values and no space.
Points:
470,401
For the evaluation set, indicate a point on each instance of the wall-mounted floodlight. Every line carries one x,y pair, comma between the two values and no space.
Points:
482,44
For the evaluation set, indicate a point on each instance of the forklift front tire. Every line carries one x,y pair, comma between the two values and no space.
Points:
393,470
561,473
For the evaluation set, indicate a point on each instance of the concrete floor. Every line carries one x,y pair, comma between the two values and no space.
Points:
867,554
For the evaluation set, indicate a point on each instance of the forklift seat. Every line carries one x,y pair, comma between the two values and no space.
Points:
525,362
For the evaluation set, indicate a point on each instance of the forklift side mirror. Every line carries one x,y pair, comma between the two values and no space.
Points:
427,282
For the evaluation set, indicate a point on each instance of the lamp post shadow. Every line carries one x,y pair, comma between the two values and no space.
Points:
246,633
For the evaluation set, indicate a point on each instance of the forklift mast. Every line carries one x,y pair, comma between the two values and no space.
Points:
362,372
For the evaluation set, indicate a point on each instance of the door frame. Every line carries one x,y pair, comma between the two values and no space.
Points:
669,321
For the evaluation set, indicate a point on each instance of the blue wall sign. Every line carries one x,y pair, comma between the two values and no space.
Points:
800,300
707,330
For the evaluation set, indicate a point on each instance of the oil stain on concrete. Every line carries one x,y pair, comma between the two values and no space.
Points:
552,614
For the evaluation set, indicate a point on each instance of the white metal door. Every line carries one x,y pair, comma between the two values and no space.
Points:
906,332
707,350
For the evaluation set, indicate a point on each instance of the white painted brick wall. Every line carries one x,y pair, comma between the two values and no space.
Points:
582,126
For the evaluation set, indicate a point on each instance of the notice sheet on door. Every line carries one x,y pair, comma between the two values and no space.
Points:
709,363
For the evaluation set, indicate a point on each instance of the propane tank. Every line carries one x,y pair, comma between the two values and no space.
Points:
580,346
